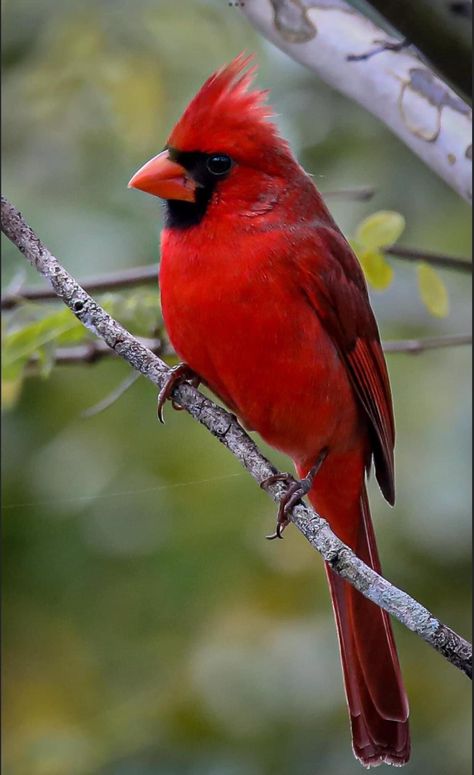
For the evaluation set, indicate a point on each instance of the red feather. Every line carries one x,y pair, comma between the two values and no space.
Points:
264,299
335,285
218,116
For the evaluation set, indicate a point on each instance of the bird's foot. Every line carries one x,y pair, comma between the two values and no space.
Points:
178,375
296,490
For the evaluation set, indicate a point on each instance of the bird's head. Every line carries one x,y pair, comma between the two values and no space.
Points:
224,151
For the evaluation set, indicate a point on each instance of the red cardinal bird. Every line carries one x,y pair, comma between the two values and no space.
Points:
265,302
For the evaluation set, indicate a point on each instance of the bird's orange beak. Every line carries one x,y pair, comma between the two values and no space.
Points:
165,178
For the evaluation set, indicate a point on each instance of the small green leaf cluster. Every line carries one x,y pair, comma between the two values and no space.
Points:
373,236
34,331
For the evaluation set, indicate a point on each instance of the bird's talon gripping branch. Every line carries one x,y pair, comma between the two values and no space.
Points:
274,478
282,519
296,490
178,375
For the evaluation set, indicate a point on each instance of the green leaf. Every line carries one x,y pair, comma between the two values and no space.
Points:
45,357
20,345
139,311
376,268
380,229
433,291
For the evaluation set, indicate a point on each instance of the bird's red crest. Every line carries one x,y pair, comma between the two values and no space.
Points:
226,114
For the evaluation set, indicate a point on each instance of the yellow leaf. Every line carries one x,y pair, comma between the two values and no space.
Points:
432,291
11,389
380,229
377,270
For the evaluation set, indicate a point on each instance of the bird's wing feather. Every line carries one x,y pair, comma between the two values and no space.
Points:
334,285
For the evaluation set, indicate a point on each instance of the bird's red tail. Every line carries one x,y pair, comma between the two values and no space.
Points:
376,697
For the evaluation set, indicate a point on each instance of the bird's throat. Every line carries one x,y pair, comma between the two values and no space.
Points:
185,215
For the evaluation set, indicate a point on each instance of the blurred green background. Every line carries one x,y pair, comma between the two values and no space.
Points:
148,626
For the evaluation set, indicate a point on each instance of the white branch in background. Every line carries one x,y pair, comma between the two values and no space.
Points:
346,50
227,430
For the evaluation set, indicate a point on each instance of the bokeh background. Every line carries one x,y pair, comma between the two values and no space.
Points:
148,626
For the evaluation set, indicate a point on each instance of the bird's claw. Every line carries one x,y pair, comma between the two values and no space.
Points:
178,375
296,490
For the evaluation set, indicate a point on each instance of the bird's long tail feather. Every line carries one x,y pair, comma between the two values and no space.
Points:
375,694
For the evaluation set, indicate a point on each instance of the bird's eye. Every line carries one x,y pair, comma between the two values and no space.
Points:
219,164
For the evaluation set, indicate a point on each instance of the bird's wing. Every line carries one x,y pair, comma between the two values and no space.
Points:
334,285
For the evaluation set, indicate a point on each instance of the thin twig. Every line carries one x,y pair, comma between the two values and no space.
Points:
227,430
141,275
414,346
435,259
92,352
125,278
95,351
112,397
363,194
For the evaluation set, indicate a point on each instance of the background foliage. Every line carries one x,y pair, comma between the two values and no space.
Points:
148,626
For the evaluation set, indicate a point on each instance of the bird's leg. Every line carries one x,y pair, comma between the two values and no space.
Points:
296,490
178,374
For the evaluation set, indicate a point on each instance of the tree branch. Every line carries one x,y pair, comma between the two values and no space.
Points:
125,278
348,51
440,29
111,398
415,346
226,429
94,351
97,350
362,194
435,259
141,275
